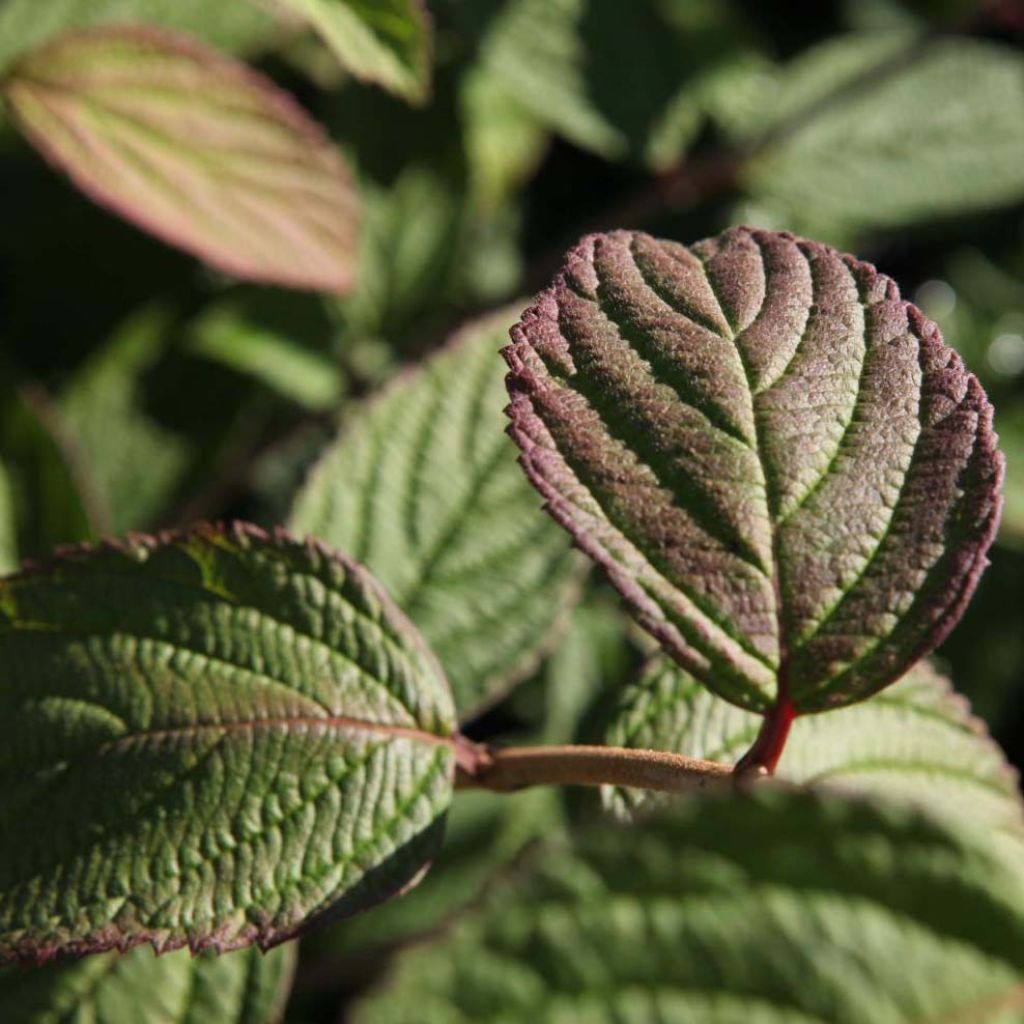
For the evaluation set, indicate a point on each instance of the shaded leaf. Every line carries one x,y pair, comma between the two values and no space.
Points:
247,987
556,57
195,148
133,463
382,41
936,132
8,524
775,907
226,335
788,475
424,489
212,738
235,27
48,490
917,741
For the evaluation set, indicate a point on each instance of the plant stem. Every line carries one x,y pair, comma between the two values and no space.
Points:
516,767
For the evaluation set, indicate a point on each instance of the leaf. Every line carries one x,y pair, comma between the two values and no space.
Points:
8,524
557,58
424,489
235,27
917,741
134,464
51,499
247,987
193,147
782,467
382,41
224,334
770,908
936,133
211,739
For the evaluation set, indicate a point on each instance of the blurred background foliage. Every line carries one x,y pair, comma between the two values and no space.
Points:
139,390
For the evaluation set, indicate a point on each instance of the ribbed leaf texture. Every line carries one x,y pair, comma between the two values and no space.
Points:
194,147
423,489
209,739
785,471
382,41
778,907
247,987
933,131
8,524
917,740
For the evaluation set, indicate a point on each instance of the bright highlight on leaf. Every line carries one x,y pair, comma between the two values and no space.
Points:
778,908
382,41
195,148
209,739
424,490
789,476
917,741
247,987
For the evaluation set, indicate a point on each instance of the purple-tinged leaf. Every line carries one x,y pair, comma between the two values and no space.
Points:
786,472
209,739
194,147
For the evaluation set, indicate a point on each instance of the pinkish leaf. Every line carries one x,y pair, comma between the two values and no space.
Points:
786,472
194,147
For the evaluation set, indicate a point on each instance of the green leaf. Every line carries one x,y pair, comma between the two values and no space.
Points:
8,524
770,908
49,490
195,148
248,987
210,739
424,489
239,27
788,475
133,463
558,58
225,334
382,41
935,133
917,741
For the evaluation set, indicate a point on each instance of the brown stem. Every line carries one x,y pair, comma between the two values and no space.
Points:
516,767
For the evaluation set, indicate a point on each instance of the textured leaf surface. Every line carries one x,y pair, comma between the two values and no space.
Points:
424,490
382,41
783,468
247,987
236,27
213,739
939,132
781,907
195,148
917,740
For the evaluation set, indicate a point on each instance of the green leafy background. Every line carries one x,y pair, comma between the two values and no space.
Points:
140,390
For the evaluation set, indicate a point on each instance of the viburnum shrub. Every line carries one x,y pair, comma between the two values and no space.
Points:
223,737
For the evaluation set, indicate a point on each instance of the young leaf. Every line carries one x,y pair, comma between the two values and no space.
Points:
424,489
934,132
210,739
785,471
247,987
385,42
917,740
775,907
195,148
